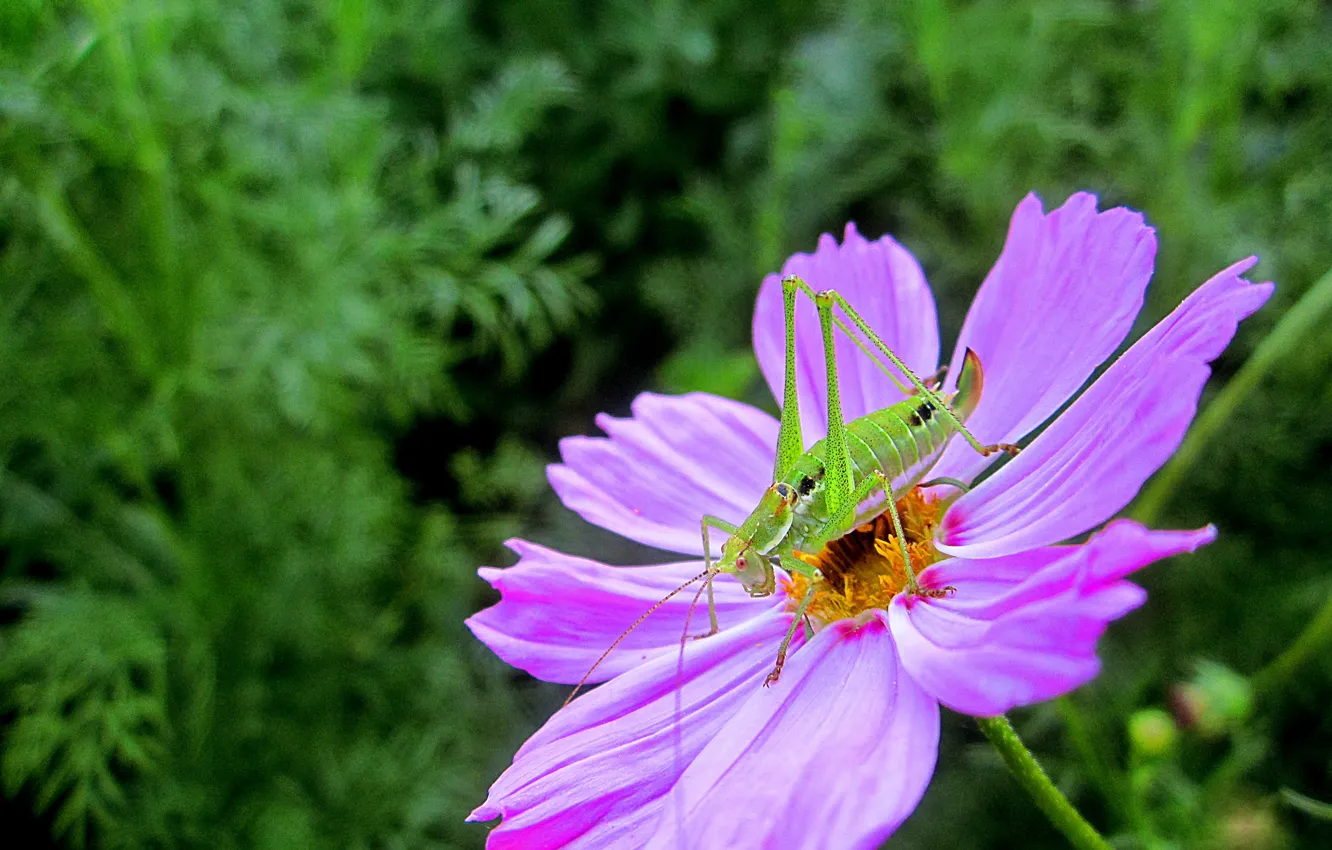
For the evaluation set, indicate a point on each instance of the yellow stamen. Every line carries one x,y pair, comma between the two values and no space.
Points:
863,569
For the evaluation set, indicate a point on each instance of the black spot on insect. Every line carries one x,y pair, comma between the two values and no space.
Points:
806,485
914,420
924,412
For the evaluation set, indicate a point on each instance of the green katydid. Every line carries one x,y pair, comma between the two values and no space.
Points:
817,492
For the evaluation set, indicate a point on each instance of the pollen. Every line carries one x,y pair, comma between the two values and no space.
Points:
863,569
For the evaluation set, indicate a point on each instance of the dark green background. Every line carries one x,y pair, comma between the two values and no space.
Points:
297,297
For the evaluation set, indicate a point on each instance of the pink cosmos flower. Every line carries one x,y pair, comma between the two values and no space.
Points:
840,750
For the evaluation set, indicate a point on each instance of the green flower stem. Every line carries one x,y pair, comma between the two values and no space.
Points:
1034,780
1315,636
1284,339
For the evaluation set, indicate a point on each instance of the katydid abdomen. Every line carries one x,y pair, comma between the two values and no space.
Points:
902,442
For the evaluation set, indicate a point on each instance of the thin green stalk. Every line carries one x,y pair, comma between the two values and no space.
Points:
1036,782
1308,805
1299,320
1311,641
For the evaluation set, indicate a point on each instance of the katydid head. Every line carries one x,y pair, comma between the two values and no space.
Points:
744,554
970,382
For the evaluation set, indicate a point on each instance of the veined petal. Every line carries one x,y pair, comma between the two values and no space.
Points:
836,754
1023,628
1092,460
558,613
678,458
886,286
1059,301
597,773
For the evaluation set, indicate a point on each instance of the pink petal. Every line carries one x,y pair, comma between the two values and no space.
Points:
1091,461
559,613
1023,628
597,773
1058,302
678,458
886,286
836,754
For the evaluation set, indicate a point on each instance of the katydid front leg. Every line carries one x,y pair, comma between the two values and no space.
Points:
721,525
794,565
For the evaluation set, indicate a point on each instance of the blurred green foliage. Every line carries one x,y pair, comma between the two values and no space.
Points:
296,298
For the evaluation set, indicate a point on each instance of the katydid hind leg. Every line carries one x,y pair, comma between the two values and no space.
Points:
837,459
790,442
873,357
922,387
850,312
926,388
912,586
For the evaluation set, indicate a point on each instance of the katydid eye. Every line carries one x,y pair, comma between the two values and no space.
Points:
785,491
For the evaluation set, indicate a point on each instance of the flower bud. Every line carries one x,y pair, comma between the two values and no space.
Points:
1217,700
1152,733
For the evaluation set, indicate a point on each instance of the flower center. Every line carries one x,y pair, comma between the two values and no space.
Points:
863,570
